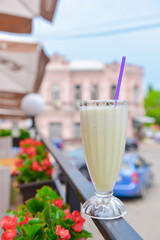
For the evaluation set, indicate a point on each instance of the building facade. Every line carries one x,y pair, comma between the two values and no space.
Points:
66,83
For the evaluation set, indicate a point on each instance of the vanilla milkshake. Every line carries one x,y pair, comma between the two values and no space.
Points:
103,130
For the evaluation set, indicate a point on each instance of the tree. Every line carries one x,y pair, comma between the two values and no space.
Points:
152,105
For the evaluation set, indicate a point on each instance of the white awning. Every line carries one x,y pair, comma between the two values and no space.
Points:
144,119
16,15
22,66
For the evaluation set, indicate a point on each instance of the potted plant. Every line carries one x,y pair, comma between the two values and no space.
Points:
23,134
5,143
33,168
44,217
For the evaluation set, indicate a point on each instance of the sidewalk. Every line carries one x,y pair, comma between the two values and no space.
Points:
149,145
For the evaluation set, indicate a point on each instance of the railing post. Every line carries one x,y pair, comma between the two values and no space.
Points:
71,198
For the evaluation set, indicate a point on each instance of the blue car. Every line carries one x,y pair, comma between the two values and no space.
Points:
58,142
134,177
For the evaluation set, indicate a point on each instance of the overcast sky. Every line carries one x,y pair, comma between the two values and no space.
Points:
141,47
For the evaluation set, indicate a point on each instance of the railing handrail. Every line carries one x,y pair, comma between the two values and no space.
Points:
117,229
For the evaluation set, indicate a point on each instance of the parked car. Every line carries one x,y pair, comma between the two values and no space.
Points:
77,158
58,142
134,178
131,144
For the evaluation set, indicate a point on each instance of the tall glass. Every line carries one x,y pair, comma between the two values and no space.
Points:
103,131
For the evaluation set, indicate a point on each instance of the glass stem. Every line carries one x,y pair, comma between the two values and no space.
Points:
104,194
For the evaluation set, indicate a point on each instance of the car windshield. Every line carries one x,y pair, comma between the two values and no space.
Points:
125,166
78,153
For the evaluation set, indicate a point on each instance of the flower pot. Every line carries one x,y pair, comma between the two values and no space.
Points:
28,190
16,141
5,184
5,147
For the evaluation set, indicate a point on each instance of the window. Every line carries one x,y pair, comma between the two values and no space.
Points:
135,94
55,130
94,92
77,130
113,91
139,162
55,92
77,92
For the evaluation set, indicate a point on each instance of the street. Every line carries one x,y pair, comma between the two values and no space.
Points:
144,214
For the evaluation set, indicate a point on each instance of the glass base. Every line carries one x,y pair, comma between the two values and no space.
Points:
104,206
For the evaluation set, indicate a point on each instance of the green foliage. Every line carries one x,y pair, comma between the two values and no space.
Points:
24,134
5,133
35,205
46,193
26,174
152,105
41,151
31,231
43,218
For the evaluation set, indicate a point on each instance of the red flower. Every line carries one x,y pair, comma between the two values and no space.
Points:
9,234
77,218
50,171
36,167
19,162
46,163
14,172
29,142
8,222
68,214
30,151
79,221
36,143
77,227
58,203
26,220
63,233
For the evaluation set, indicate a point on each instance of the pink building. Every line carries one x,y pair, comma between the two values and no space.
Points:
66,83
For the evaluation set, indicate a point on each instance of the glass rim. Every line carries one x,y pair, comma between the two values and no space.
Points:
82,102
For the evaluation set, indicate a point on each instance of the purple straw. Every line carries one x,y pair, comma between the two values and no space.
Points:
119,80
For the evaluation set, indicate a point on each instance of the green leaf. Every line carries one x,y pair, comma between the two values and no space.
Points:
40,235
65,206
41,151
36,221
47,214
51,235
60,214
39,215
19,230
5,132
47,191
82,234
152,105
32,230
22,208
10,213
69,222
21,218
19,238
35,205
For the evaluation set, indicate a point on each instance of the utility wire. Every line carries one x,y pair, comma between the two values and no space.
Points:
102,33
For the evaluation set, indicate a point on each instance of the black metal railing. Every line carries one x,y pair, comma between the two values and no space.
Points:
79,189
